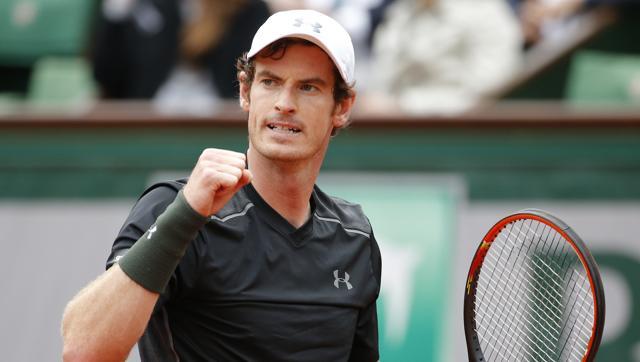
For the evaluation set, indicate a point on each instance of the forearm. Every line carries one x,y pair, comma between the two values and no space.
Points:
105,320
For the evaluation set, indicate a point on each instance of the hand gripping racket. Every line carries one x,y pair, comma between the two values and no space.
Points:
533,293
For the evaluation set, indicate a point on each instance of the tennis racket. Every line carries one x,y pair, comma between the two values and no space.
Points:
533,293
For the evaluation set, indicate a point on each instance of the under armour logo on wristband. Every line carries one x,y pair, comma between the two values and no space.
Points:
298,22
338,280
151,231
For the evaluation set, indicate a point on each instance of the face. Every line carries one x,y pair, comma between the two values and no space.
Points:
290,104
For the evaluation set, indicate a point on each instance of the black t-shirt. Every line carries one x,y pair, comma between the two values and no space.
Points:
251,287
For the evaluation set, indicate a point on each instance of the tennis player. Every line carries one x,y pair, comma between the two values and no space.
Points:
248,263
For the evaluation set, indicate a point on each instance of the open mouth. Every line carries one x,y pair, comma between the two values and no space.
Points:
283,128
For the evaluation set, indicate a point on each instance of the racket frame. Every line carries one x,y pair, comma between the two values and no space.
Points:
584,255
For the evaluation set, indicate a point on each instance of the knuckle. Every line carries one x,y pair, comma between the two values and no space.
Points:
209,152
209,173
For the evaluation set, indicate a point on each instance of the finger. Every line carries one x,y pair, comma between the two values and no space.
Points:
246,177
229,169
214,153
243,181
212,162
214,176
225,181
221,151
209,168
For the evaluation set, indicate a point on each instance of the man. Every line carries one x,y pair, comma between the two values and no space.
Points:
248,263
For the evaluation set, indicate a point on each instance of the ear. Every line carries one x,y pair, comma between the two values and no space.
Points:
342,111
244,91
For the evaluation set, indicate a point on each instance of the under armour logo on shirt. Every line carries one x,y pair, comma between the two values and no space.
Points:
151,231
338,280
298,22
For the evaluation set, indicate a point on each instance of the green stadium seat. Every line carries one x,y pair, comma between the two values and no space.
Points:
603,78
9,103
61,81
30,29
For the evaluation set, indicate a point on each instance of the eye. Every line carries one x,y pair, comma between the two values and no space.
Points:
267,82
308,87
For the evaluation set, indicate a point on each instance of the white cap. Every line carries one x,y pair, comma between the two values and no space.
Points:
315,27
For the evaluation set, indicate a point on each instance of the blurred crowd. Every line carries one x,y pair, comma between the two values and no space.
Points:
413,56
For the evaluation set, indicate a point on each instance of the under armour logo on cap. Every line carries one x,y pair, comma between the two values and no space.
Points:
338,280
312,26
298,22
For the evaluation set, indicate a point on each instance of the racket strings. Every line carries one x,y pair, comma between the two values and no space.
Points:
494,304
521,338
580,310
575,280
577,339
521,330
532,301
534,325
549,284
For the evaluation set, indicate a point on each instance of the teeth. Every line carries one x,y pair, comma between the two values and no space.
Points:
280,128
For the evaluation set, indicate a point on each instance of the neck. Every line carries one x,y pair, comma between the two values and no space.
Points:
285,186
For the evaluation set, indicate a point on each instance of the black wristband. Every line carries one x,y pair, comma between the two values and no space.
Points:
155,256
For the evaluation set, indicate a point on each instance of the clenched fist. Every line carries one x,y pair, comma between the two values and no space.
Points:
217,176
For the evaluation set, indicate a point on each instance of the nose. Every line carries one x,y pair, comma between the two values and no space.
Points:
286,102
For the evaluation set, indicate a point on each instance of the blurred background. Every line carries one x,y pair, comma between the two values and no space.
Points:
467,110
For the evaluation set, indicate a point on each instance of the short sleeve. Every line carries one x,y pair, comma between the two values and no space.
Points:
143,214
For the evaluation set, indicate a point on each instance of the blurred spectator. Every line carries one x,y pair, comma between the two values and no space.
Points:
550,19
441,56
545,18
181,53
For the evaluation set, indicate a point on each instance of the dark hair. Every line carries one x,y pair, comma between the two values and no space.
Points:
276,50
